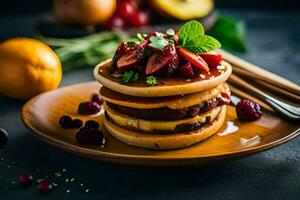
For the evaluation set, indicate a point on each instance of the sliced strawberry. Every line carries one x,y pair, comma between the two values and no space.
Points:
157,62
195,59
186,70
213,59
128,60
174,62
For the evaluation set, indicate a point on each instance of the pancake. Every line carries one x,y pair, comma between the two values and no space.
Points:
165,113
159,125
172,102
166,141
167,87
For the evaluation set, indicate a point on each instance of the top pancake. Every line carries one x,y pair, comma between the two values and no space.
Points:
170,86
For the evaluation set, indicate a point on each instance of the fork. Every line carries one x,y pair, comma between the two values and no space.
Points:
287,110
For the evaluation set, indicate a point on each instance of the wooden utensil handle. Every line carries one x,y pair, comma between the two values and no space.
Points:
270,87
260,73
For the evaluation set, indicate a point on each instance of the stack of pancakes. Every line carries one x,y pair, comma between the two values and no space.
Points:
170,115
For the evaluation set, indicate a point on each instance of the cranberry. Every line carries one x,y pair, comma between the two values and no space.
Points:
25,179
127,8
3,137
140,19
45,187
247,110
115,22
90,136
223,99
91,124
65,121
97,98
76,123
186,70
88,108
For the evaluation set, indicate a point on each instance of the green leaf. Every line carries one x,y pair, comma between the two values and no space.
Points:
192,37
140,37
151,80
231,32
129,76
170,32
158,42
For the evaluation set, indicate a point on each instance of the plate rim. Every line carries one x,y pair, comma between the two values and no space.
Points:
101,155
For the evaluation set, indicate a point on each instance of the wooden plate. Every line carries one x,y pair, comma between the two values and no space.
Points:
235,139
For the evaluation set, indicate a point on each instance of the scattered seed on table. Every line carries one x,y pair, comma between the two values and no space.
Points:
54,184
87,190
57,174
64,170
68,191
81,184
72,179
67,180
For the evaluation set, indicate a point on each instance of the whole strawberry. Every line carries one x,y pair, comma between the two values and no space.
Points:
247,110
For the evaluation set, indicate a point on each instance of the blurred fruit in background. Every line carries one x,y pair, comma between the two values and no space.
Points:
128,14
183,9
84,12
28,68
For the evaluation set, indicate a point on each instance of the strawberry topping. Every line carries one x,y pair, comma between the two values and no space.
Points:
194,59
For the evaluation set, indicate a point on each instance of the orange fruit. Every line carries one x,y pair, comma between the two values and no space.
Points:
183,10
84,12
28,67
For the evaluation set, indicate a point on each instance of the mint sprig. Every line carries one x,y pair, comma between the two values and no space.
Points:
158,42
151,80
129,76
192,37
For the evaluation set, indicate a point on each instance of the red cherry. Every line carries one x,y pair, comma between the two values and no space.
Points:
127,8
139,19
45,187
213,59
115,22
25,179
186,70
194,59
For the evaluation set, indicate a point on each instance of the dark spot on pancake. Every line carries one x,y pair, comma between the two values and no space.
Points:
165,113
156,145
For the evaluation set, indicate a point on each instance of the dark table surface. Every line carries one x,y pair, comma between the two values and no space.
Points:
274,43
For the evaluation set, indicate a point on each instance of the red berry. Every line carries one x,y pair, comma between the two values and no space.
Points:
25,179
97,98
139,19
186,70
195,59
247,110
157,62
45,187
127,8
213,59
224,99
88,108
115,22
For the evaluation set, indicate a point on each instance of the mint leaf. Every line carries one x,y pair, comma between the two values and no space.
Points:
158,42
151,80
231,32
205,43
170,32
129,76
192,37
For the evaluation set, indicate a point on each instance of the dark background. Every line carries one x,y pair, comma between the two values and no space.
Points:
274,43
9,7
